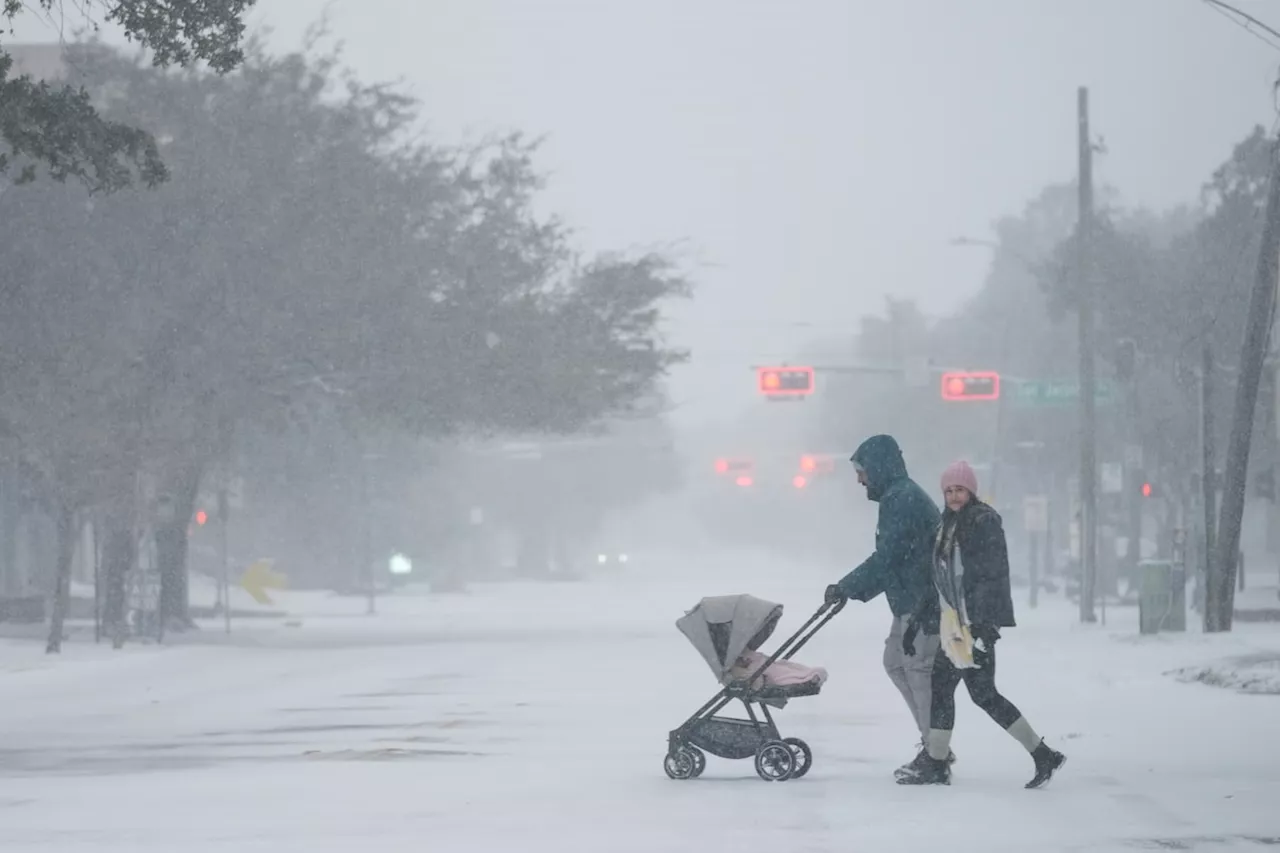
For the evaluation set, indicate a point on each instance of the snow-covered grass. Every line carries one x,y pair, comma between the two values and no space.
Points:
533,717
1254,673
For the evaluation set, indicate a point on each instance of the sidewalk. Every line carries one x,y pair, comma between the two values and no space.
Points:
1259,601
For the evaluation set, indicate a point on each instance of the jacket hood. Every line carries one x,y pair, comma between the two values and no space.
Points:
881,459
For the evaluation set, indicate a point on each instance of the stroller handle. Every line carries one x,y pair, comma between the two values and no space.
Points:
823,615
797,640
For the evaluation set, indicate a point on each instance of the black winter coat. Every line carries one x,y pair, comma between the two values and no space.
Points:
984,553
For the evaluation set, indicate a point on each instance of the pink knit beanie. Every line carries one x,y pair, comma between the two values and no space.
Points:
960,474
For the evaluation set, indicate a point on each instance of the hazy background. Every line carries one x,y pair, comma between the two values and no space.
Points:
811,156
814,155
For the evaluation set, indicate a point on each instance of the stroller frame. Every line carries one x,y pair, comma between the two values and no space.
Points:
776,758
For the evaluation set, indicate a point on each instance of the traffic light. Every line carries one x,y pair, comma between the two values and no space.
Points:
201,517
967,387
785,381
732,466
815,464
1147,490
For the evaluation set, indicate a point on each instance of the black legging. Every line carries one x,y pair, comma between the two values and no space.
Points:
982,689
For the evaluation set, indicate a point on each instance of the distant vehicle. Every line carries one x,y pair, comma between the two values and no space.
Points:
613,558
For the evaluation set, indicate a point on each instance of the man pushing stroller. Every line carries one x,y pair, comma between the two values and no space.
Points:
918,565
902,568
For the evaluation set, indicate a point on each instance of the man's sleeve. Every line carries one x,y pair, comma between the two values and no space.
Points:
927,608
872,577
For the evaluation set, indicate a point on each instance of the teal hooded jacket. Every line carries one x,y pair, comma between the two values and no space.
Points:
902,565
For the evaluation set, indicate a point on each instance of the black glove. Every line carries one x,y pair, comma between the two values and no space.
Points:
988,634
909,639
833,595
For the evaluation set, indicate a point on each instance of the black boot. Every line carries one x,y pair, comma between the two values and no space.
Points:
930,771
914,764
1047,761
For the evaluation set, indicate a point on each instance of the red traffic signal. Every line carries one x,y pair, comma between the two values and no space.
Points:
201,517
784,381
725,466
1146,490
971,386
817,464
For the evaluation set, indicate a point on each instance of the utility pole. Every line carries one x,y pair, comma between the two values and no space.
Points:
226,435
366,538
1033,567
1088,392
1208,483
1253,354
1138,462
224,583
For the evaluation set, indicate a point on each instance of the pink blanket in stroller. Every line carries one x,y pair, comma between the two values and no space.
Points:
780,673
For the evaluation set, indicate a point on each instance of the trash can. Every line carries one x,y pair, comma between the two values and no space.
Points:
1156,597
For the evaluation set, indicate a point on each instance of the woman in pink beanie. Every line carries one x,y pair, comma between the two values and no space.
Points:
973,601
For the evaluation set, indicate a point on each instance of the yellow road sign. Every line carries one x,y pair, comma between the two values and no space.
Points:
260,577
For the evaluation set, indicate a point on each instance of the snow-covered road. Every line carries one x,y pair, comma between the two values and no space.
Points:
533,717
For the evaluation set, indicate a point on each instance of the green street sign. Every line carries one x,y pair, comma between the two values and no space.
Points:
1056,392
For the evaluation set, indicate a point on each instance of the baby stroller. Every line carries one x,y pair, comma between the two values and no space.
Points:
727,631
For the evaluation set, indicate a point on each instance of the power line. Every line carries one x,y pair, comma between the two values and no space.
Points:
1248,23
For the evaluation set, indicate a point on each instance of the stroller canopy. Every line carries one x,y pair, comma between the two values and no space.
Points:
722,627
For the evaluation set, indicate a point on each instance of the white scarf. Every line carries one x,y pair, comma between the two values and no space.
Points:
953,627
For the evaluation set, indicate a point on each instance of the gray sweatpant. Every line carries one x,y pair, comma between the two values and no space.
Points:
913,676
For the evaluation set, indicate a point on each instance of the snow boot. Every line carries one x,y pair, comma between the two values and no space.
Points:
914,764
931,771
1047,761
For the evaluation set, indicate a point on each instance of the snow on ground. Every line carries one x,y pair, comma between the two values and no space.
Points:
1253,673
533,717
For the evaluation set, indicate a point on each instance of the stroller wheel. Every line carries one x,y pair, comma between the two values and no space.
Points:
680,764
803,755
775,761
699,761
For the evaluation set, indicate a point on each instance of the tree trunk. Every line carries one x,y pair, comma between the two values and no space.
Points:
67,535
119,552
10,510
171,548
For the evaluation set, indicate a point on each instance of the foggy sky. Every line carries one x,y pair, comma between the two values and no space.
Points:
812,156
